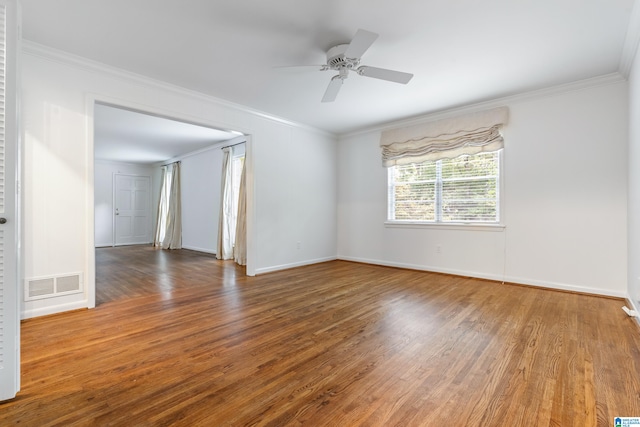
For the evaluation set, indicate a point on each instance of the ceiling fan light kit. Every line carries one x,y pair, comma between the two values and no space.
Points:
346,57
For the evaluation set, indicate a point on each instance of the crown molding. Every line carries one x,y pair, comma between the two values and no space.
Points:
65,58
631,42
218,145
605,80
117,163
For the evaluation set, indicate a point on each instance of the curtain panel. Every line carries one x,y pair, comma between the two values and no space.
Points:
169,227
163,206
444,139
226,223
240,247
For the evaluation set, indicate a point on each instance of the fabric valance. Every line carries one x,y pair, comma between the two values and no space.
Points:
444,139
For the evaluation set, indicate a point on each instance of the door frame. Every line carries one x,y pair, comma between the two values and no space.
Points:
91,99
12,302
113,213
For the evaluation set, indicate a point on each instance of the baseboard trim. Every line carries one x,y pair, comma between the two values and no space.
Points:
54,309
132,244
634,306
197,249
293,265
565,287
496,277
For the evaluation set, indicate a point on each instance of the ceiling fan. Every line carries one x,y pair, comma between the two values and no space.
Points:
344,58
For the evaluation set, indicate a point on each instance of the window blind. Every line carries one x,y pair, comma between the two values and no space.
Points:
444,139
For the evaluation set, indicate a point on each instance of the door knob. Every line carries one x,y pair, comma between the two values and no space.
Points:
3,220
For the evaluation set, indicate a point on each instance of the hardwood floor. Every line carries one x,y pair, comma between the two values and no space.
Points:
194,342
132,271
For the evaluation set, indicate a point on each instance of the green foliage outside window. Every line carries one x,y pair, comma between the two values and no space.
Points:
464,189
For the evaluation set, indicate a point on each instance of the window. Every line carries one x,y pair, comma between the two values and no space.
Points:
461,190
236,176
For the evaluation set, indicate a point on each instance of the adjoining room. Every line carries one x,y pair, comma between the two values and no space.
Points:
134,153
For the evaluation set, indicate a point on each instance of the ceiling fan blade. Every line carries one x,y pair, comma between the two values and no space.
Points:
321,67
384,74
332,90
360,43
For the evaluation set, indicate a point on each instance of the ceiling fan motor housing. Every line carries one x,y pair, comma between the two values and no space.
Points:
336,60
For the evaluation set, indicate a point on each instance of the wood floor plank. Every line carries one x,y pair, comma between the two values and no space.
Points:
181,339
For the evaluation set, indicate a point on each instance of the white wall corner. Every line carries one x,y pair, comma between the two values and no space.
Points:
631,42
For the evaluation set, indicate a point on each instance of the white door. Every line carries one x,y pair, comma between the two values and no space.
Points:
9,202
132,214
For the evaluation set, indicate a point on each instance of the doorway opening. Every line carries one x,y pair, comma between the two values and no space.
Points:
129,147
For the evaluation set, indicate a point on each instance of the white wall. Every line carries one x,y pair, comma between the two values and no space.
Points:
58,92
297,224
565,176
633,277
200,176
103,200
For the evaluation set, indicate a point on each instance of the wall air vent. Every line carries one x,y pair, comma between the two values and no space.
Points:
68,283
54,286
40,288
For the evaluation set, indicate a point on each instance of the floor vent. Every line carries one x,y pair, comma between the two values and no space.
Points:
49,287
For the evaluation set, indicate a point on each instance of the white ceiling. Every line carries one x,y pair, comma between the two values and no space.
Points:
132,137
461,51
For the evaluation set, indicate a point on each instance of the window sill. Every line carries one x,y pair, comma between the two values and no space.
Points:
445,226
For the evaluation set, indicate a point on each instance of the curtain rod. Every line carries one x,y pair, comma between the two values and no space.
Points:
167,164
232,145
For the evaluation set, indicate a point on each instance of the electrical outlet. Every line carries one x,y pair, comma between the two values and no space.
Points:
438,249
298,245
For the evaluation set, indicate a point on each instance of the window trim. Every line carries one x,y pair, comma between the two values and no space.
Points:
469,226
466,226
